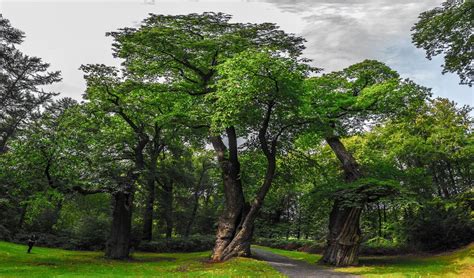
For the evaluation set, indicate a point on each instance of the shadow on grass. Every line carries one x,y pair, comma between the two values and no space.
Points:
150,259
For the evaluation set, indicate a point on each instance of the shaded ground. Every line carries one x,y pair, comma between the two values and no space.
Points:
295,268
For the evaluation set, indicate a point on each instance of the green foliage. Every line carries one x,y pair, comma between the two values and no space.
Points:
295,255
345,102
21,81
249,82
187,77
440,225
447,30
305,245
179,244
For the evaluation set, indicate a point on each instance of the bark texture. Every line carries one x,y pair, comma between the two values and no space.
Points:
148,214
197,193
342,248
118,244
155,147
236,225
234,211
167,206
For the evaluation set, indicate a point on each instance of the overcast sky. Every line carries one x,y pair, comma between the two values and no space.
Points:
69,33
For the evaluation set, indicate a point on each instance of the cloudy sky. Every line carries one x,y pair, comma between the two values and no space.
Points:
68,33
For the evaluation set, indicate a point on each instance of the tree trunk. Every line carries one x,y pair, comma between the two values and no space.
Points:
150,200
148,214
234,212
239,245
154,150
118,245
187,231
235,241
230,219
196,195
342,247
379,212
344,236
167,206
18,227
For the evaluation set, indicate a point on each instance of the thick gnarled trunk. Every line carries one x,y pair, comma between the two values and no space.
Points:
118,245
343,241
234,210
344,236
235,241
229,226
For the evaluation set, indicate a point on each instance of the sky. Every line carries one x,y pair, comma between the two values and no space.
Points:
339,33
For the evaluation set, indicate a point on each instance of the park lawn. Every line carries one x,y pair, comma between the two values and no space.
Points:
49,262
458,263
302,256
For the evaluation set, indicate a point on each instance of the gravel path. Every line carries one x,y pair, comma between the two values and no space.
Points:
295,268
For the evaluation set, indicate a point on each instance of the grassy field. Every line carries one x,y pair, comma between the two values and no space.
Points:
453,264
48,262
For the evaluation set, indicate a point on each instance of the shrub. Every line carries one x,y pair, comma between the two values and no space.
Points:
305,245
383,246
47,240
191,244
441,225
4,233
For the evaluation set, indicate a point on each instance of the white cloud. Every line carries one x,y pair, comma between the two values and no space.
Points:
69,33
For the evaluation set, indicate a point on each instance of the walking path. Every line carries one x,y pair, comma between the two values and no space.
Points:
295,268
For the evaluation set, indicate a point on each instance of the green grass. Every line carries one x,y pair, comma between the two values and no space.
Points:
459,263
302,256
48,262
454,264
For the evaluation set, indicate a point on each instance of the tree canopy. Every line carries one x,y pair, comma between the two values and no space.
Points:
447,30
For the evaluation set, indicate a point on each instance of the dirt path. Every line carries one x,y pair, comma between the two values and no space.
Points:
295,268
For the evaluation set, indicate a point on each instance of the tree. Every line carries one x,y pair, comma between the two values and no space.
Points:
183,52
27,167
138,109
258,95
20,78
448,30
346,102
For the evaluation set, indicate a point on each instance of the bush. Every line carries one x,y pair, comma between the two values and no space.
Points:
192,244
47,240
384,247
91,233
4,233
304,245
376,246
441,225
